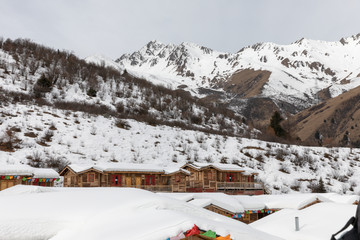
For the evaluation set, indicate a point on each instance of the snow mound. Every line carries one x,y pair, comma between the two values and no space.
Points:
317,222
106,213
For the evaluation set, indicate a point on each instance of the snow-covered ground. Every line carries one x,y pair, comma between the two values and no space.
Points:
87,139
317,222
34,213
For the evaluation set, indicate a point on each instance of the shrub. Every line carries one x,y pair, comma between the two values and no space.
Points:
36,160
56,163
122,124
91,92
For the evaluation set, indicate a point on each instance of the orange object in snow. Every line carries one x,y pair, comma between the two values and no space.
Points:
224,238
193,231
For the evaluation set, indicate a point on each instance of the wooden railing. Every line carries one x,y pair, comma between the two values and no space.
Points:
152,188
239,186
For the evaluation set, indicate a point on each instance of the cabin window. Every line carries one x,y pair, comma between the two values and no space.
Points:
149,179
230,177
91,177
116,180
84,178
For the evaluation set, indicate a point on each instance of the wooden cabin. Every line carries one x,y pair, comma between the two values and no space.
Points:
192,177
11,175
228,178
144,176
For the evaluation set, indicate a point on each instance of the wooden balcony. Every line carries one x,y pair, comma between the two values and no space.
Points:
152,188
239,186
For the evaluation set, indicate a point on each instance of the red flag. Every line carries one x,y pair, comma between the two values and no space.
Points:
193,231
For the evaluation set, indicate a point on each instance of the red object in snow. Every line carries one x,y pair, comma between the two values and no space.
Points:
193,231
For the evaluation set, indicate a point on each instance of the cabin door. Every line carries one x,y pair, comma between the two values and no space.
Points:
3,185
128,181
115,180
138,182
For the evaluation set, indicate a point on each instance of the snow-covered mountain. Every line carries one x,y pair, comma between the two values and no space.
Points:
297,73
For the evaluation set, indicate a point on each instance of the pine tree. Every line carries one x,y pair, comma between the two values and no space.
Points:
275,124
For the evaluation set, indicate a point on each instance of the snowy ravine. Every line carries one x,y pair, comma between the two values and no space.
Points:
82,138
298,70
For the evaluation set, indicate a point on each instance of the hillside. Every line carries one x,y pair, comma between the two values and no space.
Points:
32,72
293,77
48,137
333,122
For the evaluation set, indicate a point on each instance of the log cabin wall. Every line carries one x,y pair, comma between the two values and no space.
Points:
6,183
178,182
210,178
87,179
194,182
71,179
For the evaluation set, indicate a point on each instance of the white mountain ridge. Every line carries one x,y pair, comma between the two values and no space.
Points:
298,70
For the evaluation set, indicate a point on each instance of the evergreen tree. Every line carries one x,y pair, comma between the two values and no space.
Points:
275,124
321,186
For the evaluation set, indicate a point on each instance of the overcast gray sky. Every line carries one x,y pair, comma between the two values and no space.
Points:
114,27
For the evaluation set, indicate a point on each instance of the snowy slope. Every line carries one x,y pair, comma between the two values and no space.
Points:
81,138
298,70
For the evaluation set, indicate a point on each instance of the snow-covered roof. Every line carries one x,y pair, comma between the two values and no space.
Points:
290,201
204,202
335,197
45,173
222,167
118,167
223,199
128,167
249,202
126,213
186,197
172,170
16,169
26,170
317,222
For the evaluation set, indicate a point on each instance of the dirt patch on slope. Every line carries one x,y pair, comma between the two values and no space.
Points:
247,83
332,118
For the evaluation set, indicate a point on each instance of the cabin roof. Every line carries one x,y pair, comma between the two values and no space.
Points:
221,199
16,169
26,170
290,201
127,167
249,202
221,167
335,197
45,173
204,202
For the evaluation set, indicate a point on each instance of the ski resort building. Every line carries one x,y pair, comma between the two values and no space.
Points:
11,175
227,178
